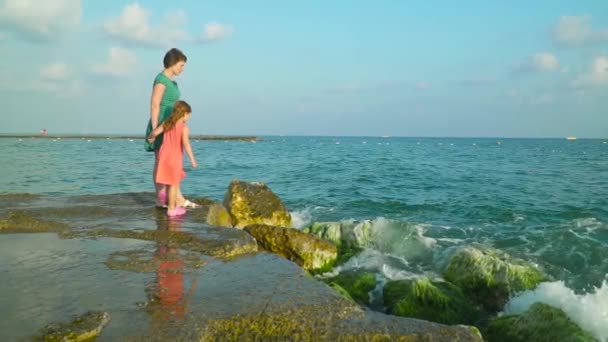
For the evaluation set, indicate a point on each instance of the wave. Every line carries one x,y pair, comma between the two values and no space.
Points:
589,310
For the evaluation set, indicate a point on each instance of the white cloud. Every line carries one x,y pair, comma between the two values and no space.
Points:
120,63
538,62
215,31
56,72
596,75
133,26
40,20
571,31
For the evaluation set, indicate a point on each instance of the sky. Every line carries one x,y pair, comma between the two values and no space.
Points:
348,68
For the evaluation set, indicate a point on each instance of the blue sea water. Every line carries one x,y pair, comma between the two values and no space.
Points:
541,200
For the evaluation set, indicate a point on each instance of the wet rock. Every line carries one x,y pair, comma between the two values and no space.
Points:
144,261
19,221
489,276
82,328
225,248
251,203
422,298
541,322
212,213
310,252
356,284
334,321
350,236
330,231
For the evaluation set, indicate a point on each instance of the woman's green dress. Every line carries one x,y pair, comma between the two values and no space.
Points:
170,96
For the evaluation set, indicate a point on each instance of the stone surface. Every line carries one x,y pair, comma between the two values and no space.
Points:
212,213
310,252
82,328
251,203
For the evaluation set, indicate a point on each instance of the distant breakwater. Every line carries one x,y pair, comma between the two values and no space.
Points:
76,136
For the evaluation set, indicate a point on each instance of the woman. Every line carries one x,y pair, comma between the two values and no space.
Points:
165,94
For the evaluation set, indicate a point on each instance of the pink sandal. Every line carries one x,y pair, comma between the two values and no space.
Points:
161,200
176,212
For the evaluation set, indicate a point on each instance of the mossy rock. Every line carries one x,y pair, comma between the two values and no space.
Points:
82,328
356,284
349,237
330,231
331,322
312,253
341,290
488,276
19,221
251,203
435,301
540,323
212,213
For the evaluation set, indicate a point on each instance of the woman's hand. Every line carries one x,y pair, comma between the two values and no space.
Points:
151,138
194,163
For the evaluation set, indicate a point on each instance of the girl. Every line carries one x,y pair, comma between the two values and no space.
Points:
171,155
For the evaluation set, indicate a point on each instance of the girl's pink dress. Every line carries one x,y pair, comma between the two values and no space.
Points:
171,157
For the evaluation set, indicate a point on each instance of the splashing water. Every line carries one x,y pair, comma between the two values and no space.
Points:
588,310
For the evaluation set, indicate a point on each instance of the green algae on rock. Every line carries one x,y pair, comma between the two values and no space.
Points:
540,323
488,276
356,284
212,213
310,252
182,240
251,203
19,221
334,321
82,328
350,237
422,298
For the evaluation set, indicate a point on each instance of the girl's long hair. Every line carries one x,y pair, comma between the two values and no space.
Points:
180,109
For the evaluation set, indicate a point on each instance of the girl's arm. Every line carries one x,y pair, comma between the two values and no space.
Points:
156,132
187,147
157,94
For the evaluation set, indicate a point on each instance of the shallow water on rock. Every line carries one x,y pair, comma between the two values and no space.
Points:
161,279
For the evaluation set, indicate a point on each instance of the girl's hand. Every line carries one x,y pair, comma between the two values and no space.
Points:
194,164
151,139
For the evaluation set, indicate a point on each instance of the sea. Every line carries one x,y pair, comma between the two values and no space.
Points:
541,200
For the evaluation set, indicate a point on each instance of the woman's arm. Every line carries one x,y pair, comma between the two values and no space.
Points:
187,147
156,132
157,94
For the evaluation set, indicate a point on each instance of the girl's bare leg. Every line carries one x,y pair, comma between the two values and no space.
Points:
172,202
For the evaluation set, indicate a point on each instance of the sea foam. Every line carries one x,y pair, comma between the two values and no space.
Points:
588,310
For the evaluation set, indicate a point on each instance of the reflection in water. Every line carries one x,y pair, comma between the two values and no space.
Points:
169,288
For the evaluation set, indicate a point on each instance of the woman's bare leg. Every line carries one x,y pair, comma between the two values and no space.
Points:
180,200
157,186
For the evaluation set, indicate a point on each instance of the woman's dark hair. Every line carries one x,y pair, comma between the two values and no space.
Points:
173,57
